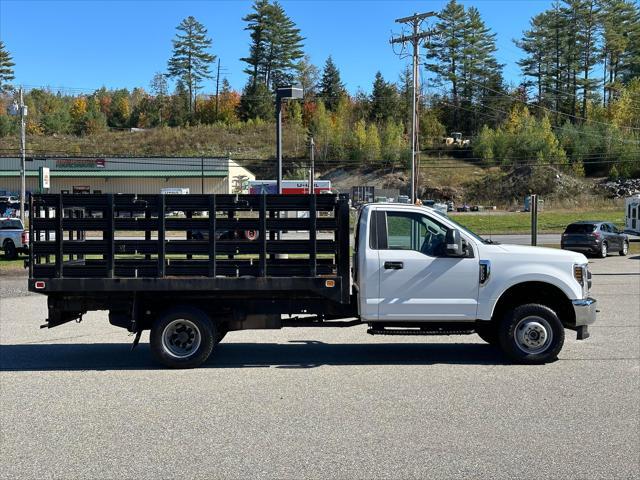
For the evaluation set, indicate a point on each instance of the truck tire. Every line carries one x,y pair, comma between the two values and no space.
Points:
10,251
488,331
531,334
183,337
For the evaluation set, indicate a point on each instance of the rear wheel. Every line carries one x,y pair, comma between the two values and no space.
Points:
531,334
10,251
625,249
183,337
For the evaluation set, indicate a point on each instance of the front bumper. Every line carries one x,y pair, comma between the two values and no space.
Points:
585,311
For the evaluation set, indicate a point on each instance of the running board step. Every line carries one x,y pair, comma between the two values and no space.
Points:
416,331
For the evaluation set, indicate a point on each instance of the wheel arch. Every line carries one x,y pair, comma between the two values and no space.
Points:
542,293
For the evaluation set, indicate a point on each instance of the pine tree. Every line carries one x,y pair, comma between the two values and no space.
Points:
331,87
620,32
190,61
589,25
276,45
480,71
6,68
384,100
256,102
405,90
285,48
446,53
462,56
257,24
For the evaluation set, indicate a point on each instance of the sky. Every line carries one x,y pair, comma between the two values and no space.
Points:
83,45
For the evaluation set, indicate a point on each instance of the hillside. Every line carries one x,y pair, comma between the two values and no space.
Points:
252,145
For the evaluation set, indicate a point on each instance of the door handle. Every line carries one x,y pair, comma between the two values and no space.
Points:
393,265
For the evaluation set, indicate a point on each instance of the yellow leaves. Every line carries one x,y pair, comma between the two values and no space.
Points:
625,111
121,107
78,109
34,128
519,116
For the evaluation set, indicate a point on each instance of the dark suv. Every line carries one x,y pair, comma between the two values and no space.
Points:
598,238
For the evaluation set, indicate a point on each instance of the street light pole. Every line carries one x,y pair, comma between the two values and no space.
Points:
23,152
279,143
312,173
202,175
281,94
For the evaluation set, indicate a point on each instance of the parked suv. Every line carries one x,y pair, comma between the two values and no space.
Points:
598,238
14,238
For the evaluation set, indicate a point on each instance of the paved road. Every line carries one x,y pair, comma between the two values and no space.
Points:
319,403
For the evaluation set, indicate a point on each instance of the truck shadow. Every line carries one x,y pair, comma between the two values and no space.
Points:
299,354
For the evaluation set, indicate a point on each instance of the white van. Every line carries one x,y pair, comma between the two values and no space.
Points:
632,214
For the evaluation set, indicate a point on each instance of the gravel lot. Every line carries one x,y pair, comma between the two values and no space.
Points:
320,403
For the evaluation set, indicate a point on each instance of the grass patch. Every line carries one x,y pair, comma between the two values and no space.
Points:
520,222
12,267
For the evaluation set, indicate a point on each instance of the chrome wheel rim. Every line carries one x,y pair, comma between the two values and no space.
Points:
533,335
181,338
625,248
604,249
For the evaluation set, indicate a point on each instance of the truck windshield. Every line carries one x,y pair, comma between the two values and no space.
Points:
460,227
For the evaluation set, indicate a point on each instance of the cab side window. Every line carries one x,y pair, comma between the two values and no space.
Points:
413,231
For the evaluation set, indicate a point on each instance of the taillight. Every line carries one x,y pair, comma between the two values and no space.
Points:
25,237
596,235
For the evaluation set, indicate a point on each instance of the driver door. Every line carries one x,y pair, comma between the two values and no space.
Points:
417,281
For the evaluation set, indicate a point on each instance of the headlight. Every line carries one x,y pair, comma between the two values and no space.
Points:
579,274
583,276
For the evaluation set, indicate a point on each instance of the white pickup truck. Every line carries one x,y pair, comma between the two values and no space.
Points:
413,271
14,238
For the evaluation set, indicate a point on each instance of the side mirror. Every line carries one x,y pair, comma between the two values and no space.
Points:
453,241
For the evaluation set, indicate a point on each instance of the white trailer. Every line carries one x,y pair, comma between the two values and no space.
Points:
632,214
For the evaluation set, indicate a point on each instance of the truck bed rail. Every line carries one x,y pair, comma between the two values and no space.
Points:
116,236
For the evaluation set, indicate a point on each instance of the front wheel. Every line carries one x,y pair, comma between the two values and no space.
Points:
625,249
531,334
182,338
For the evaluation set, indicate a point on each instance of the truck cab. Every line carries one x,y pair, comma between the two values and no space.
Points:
415,267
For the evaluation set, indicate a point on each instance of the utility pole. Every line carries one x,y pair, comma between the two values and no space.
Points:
416,36
312,173
217,87
23,152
